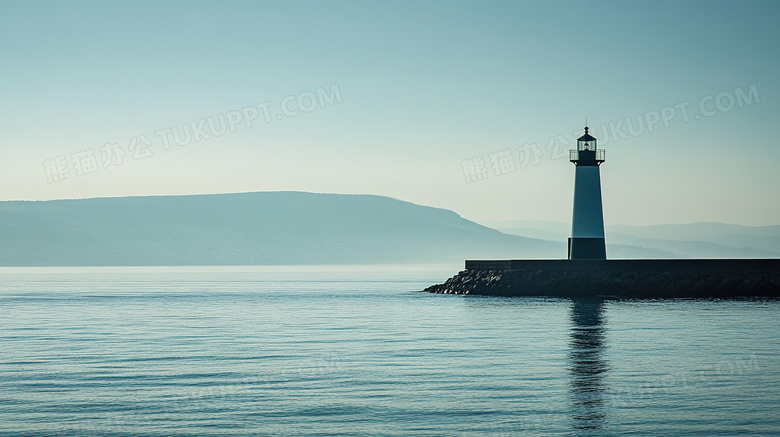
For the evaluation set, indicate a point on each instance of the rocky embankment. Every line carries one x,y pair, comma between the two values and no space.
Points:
620,280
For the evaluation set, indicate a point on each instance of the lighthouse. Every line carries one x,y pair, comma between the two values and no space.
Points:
587,225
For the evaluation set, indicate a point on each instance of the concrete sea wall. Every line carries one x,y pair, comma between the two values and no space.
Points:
618,279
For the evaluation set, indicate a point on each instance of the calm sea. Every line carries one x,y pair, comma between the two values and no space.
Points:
356,351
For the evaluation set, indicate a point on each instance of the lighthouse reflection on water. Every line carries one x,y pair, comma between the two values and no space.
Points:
586,365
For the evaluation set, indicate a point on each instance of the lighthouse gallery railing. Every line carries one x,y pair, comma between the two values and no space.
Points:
574,155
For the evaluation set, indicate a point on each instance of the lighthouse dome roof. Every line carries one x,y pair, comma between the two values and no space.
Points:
586,137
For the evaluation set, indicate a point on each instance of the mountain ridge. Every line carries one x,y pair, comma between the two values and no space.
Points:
267,227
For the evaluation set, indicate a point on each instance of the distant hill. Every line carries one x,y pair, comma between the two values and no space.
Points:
755,240
693,240
249,228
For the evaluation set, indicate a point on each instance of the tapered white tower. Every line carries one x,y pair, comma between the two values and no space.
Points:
587,225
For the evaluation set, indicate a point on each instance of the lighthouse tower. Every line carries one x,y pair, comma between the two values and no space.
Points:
587,226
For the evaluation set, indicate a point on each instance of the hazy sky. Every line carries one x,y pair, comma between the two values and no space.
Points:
444,103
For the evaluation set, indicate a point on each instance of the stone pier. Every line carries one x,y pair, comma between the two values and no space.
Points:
618,279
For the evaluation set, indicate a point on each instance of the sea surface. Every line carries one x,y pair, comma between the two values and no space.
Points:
358,351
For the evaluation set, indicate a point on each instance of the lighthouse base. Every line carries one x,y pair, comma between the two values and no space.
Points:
587,248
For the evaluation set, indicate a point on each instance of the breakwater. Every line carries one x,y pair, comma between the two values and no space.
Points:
618,279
